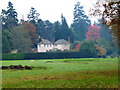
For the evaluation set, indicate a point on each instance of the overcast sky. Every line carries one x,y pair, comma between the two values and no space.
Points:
49,9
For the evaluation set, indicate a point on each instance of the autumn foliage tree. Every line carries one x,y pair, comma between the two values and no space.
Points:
31,29
93,32
100,50
110,15
20,39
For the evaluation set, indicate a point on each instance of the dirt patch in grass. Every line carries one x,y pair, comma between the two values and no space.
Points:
102,72
67,61
20,67
41,67
74,75
72,62
17,67
82,60
49,61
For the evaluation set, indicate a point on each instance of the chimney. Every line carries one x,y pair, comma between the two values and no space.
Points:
69,39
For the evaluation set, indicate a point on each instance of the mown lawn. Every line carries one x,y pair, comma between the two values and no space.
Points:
63,73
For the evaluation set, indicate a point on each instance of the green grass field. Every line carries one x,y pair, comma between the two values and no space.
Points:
63,73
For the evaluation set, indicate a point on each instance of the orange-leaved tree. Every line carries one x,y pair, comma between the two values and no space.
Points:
31,29
93,32
110,14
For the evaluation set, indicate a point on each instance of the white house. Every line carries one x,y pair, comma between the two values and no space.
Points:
46,45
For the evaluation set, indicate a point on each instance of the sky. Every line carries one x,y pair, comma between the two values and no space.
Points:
48,9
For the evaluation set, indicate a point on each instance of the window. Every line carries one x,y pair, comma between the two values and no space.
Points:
44,45
50,45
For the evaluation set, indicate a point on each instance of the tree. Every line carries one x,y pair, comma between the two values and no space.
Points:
6,41
31,30
64,29
105,32
45,29
49,31
33,16
9,17
110,16
75,46
72,34
40,27
20,39
100,50
87,49
56,27
112,13
80,22
110,46
93,32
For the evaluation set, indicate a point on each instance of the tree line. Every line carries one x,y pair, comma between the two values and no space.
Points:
23,35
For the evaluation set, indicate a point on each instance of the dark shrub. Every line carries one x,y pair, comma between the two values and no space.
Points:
87,49
28,67
4,67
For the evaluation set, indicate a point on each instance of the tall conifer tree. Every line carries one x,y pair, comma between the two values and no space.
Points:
64,29
33,16
9,17
104,31
80,22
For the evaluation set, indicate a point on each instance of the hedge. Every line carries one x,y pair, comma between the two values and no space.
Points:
53,55
13,56
48,55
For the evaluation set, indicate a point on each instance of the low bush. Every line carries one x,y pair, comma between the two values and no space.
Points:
87,49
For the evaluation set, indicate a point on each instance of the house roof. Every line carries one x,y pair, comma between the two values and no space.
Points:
61,41
45,41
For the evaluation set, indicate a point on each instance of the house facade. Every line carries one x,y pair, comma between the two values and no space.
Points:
47,46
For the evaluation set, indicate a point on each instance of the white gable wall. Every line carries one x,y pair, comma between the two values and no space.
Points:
48,47
44,47
63,47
